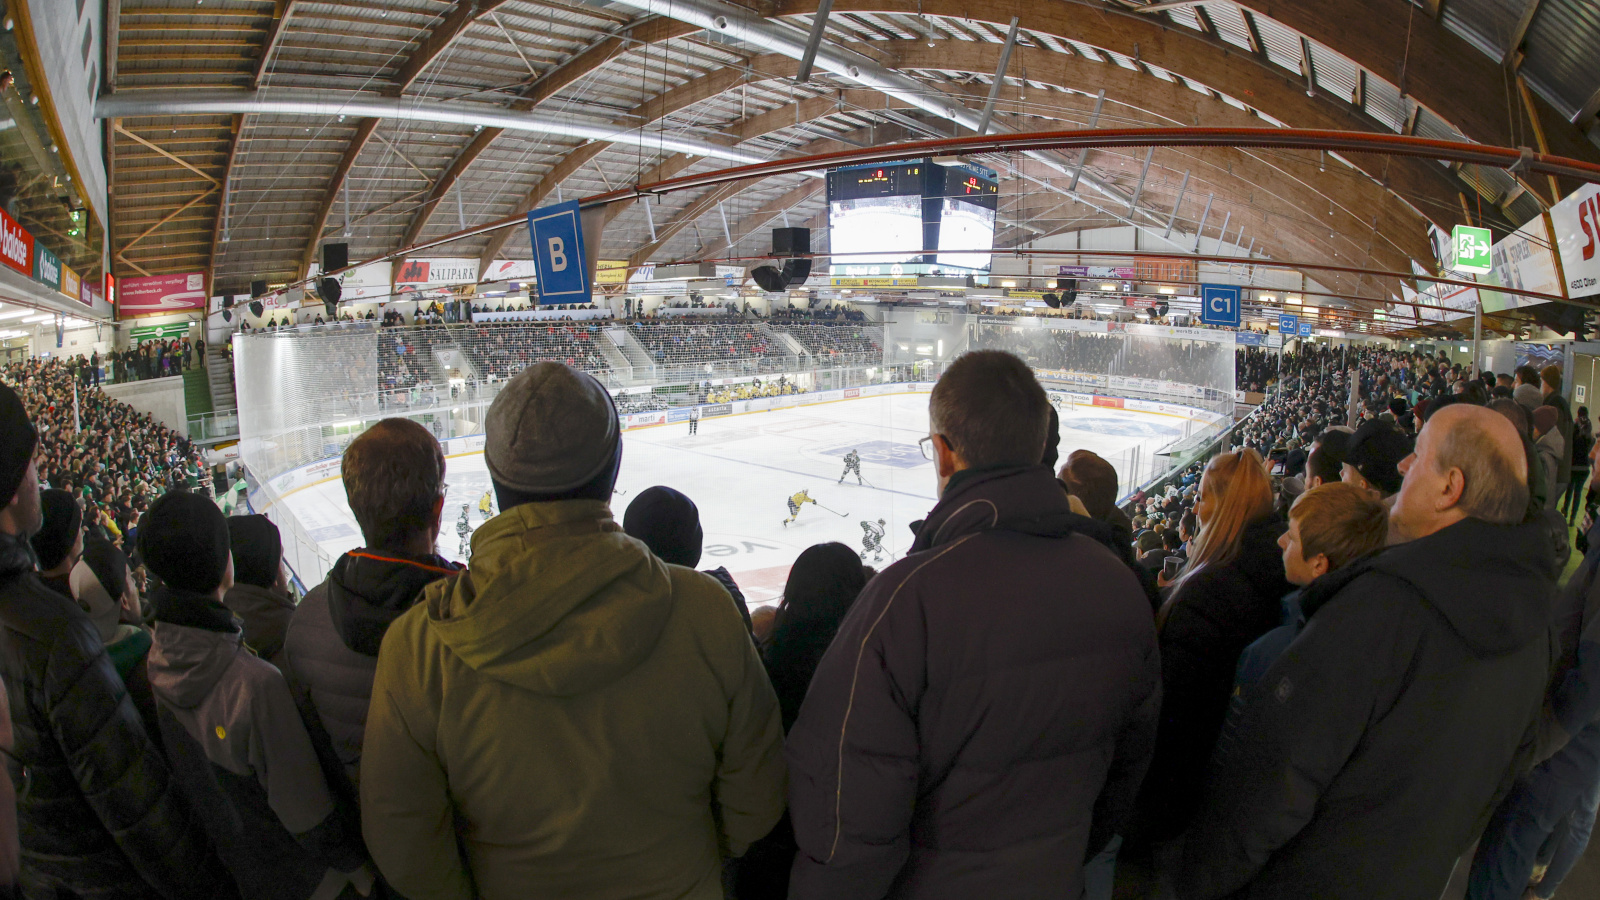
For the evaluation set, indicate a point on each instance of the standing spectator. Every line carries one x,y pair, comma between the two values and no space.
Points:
1091,479
59,541
104,588
260,592
10,850
570,712
1372,461
823,584
1582,447
239,750
100,816
1369,755
669,524
951,745
1550,392
1547,442
393,476
200,351
1226,596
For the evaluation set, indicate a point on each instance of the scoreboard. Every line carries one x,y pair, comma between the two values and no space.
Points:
917,211
857,182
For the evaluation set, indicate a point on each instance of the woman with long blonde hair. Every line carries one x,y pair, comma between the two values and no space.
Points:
1228,594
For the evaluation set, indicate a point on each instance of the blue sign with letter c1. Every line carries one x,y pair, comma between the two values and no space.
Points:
1289,325
1219,305
559,261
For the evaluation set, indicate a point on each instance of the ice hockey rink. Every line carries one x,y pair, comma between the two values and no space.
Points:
741,469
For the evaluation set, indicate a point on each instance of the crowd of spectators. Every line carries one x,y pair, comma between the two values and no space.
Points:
835,341
677,344
500,350
1203,363
1325,677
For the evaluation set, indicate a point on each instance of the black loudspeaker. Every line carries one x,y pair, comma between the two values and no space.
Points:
770,279
1071,291
256,309
335,257
791,241
331,308
1052,301
328,289
227,315
257,288
796,271
1162,308
227,301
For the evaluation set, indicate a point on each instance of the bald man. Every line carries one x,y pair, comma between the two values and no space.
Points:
1369,756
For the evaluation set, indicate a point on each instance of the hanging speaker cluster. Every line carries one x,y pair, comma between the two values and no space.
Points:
786,242
1068,288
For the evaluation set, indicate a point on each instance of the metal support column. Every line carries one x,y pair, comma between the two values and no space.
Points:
1477,337
1138,189
1201,229
819,24
1083,156
1177,203
999,78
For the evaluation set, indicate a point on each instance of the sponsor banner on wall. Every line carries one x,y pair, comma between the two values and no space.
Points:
610,271
1250,339
70,283
444,270
368,282
1110,402
160,294
1577,226
16,245
716,409
1119,273
1522,259
46,268
509,270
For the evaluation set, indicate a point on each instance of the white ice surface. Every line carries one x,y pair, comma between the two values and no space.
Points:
740,469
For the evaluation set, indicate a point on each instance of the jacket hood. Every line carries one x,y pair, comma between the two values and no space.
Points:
1023,499
1491,583
369,589
16,555
185,663
557,599
1260,559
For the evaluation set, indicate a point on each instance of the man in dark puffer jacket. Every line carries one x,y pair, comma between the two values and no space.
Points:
980,724
101,817
394,479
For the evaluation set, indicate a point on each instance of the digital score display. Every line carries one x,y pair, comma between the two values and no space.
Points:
876,181
962,184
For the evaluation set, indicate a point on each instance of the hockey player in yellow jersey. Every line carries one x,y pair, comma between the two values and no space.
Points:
795,502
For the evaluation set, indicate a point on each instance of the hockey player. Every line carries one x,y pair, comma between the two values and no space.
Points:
795,502
486,505
463,530
872,540
852,463
694,420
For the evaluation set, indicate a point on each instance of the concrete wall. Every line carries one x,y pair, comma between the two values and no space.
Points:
160,397
69,48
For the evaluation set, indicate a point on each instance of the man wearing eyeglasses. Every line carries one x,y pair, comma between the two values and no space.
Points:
980,725
97,812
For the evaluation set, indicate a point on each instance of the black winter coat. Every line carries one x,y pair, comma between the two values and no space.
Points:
1215,614
1370,755
982,719
102,817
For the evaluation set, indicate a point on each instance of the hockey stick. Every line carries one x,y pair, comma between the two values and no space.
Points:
834,511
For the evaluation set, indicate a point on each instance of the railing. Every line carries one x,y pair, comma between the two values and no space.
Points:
222,425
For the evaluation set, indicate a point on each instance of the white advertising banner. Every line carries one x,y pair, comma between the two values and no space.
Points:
1523,260
509,270
368,282
1577,224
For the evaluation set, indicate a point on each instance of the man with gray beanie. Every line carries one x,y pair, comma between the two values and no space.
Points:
100,815
239,750
260,592
570,712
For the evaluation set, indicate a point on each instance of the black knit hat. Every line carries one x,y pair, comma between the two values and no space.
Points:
183,539
257,550
17,440
668,523
62,519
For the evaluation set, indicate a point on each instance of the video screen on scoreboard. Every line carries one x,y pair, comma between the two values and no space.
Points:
888,227
966,234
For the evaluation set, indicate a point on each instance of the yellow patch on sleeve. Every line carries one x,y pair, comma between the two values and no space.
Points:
222,733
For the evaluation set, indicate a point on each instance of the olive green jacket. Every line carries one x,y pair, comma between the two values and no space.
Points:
570,717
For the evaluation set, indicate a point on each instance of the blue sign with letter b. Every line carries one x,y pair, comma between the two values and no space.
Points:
558,254
1219,305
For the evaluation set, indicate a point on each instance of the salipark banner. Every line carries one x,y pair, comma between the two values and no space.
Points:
161,295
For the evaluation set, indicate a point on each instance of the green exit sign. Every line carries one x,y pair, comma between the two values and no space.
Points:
1469,248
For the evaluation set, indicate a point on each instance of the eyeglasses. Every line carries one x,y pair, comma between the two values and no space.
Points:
927,448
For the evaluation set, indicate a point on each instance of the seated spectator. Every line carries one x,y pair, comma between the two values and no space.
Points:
1373,461
823,584
59,541
669,524
630,686
1318,797
393,476
239,751
1227,594
260,592
1325,463
907,774
99,815
1330,527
